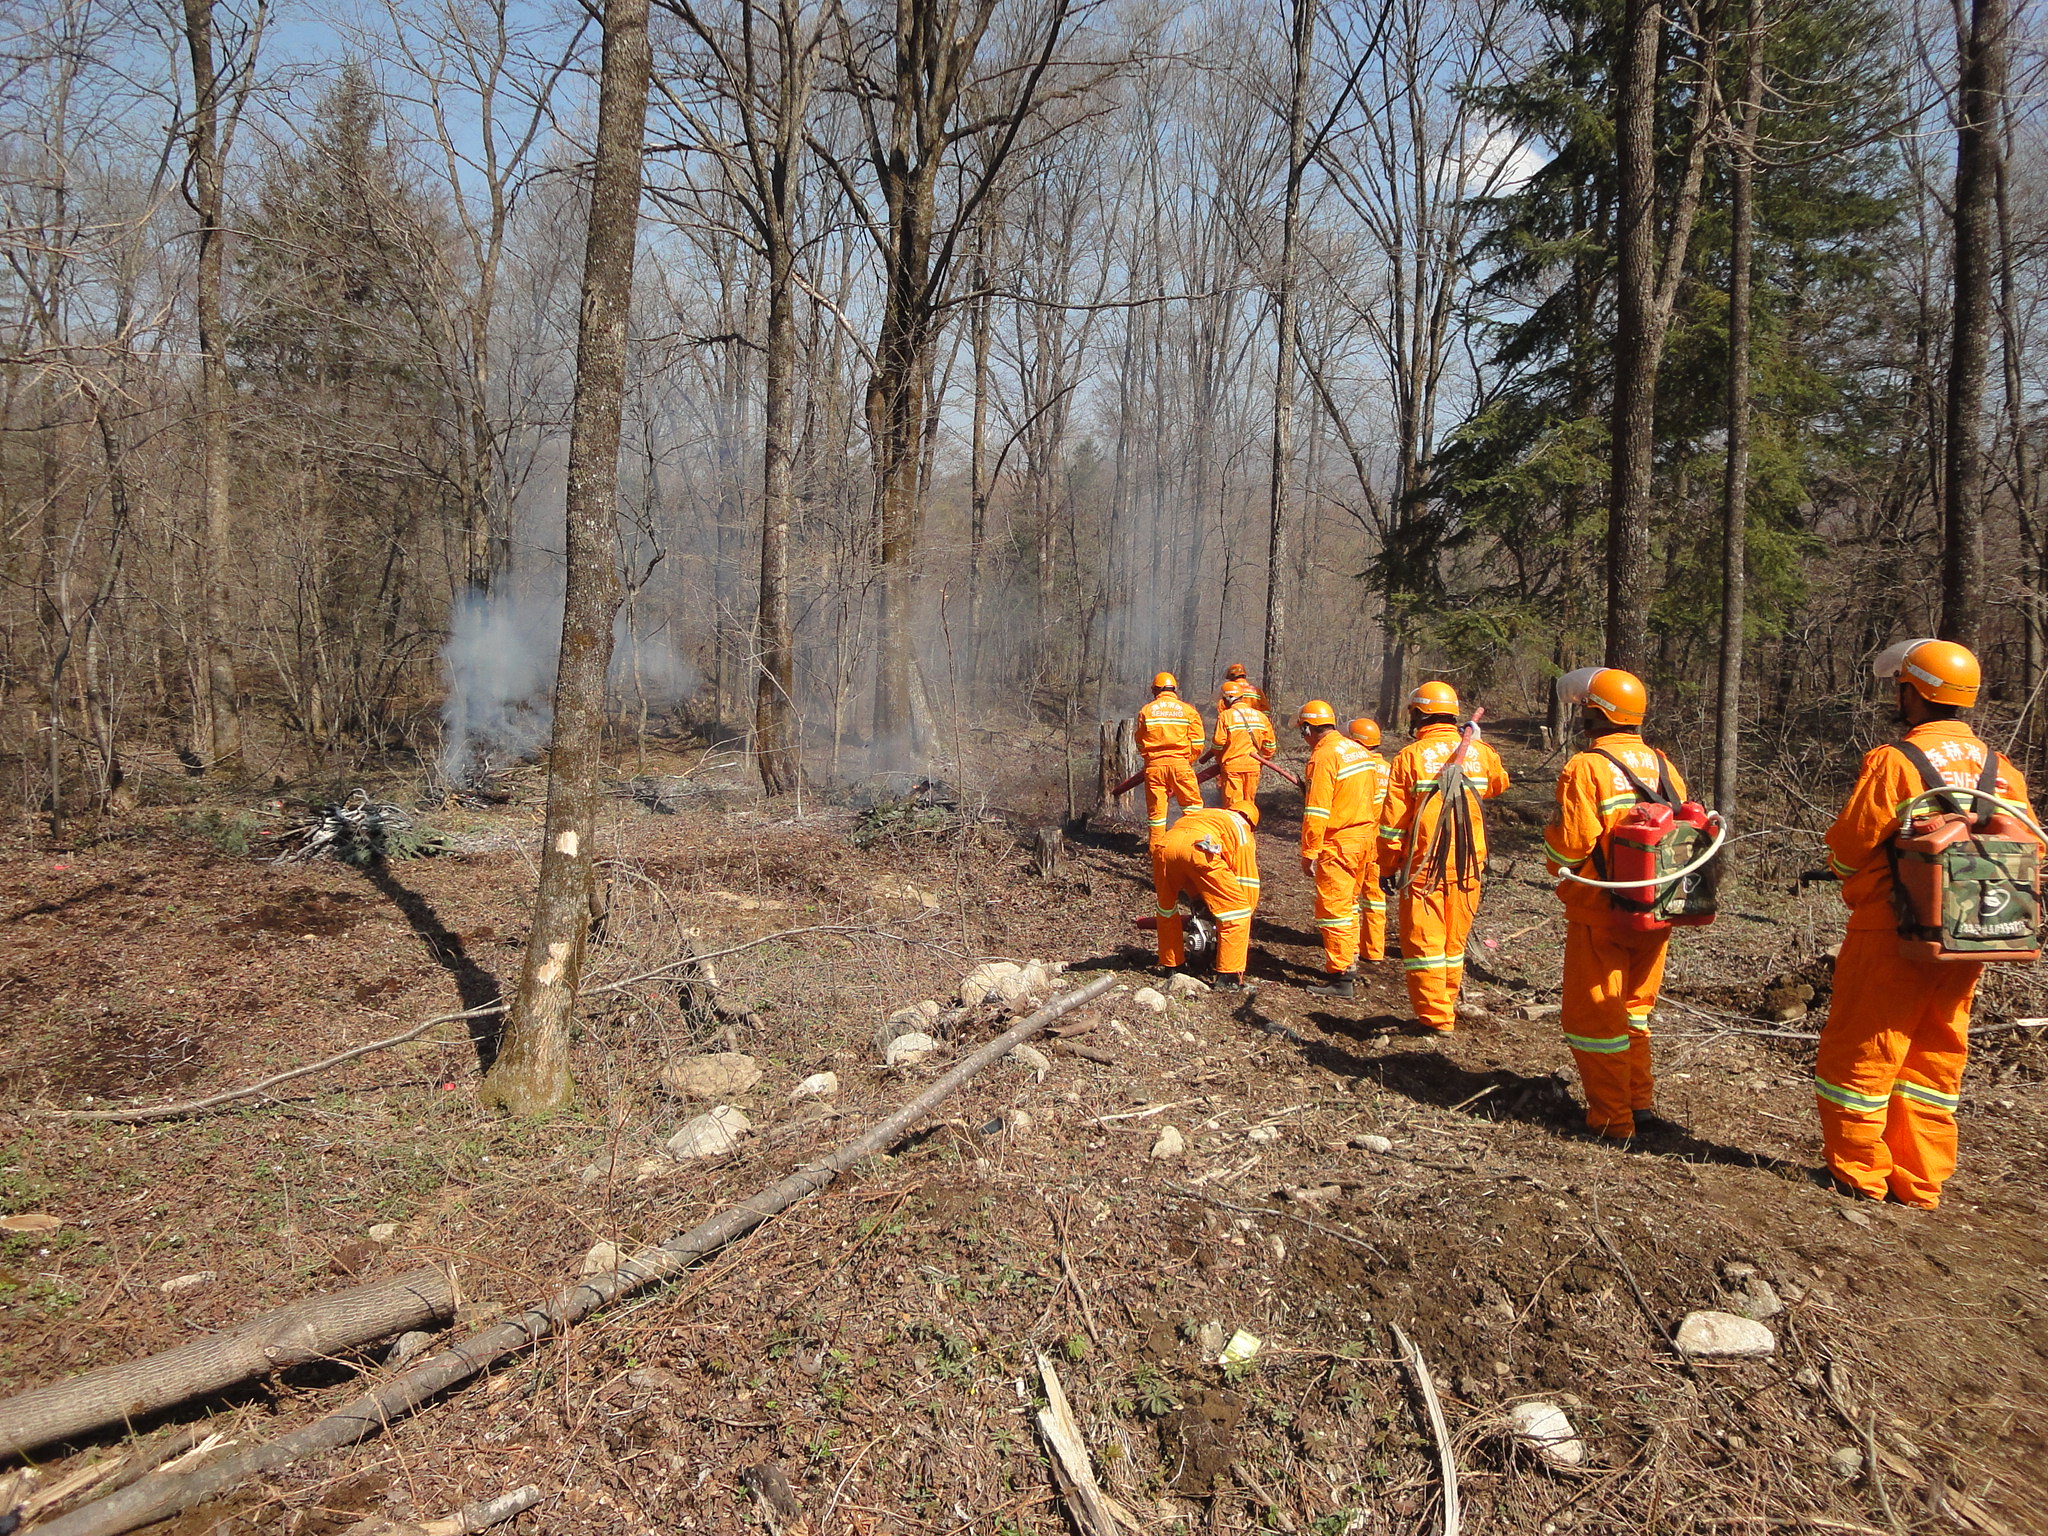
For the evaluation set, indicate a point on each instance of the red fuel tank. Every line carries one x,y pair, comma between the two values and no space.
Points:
1635,851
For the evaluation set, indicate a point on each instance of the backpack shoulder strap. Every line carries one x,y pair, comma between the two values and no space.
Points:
1987,784
1930,776
1661,794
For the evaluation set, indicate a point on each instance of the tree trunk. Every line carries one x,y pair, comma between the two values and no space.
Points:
531,1072
1278,509
1979,110
309,1329
223,735
775,750
1735,488
1634,409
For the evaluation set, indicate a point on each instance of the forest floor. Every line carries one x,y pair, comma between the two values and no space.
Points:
876,1343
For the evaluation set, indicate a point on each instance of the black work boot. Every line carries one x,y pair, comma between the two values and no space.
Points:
1334,984
1230,981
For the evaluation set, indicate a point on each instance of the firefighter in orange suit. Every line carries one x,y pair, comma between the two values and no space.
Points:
1339,817
1169,735
1889,1070
1436,842
1234,676
1611,973
1372,901
1244,744
1210,854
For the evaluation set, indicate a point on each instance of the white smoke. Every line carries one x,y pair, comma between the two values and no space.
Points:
499,670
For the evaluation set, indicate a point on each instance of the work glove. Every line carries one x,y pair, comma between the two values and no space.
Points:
1308,866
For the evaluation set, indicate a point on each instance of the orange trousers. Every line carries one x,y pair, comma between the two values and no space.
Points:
1228,902
1434,922
1611,977
1372,907
1889,1072
1169,779
1240,786
1345,859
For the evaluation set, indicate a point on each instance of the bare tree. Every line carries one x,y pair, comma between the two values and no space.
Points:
223,70
531,1073
1735,485
1980,103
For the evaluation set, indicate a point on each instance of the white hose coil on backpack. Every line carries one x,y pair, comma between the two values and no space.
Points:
1910,808
1720,837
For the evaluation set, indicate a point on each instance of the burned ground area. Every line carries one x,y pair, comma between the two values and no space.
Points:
868,1361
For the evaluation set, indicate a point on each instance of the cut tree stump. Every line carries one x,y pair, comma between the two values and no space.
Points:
1046,846
312,1329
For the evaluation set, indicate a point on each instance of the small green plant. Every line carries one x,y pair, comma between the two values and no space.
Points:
1150,1392
231,832
1076,1347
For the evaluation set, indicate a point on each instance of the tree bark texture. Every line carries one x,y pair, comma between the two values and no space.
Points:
1634,409
223,725
1280,483
531,1072
312,1329
1979,123
1735,487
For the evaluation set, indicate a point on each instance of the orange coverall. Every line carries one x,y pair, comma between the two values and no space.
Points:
1372,901
1169,735
1611,973
1340,808
1244,739
1889,1071
1210,854
1435,915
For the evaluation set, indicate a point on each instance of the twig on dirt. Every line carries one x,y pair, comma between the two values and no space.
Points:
1876,1471
1466,1103
480,1516
1649,1312
251,1090
1141,1114
1259,1210
1446,1455
155,1498
1073,1279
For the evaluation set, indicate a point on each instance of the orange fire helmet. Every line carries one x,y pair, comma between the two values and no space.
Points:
1618,695
1434,698
1940,671
1315,712
1364,730
1237,689
1235,672
1165,682
1249,812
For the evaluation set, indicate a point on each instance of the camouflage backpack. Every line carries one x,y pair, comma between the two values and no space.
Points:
1966,883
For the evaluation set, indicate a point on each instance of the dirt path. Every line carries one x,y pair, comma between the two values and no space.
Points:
874,1344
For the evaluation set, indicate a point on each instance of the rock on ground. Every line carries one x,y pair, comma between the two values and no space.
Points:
1724,1336
1184,985
819,1085
1169,1144
710,1135
1150,997
909,1050
1035,1060
917,1019
602,1257
1543,1428
720,1075
978,983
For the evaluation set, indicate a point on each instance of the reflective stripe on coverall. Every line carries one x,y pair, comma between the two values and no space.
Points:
1889,1071
1244,736
1611,973
1435,915
1339,812
1169,734
1210,854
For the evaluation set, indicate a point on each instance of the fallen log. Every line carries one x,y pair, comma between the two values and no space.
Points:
312,1329
159,1497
